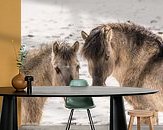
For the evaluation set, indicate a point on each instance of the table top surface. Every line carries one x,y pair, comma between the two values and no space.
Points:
63,91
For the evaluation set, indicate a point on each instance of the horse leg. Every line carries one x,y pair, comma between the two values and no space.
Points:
32,110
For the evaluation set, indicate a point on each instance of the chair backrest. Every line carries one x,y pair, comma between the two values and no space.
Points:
79,102
78,83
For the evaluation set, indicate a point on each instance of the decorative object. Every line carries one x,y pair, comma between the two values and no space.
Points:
29,80
18,81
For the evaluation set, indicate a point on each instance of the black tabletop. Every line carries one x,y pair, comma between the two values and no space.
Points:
62,91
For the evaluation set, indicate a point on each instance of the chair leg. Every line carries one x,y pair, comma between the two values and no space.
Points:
138,123
69,120
131,123
151,123
90,120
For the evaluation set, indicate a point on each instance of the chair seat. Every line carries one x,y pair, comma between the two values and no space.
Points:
141,113
79,103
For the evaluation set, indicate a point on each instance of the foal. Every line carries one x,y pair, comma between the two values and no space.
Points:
50,65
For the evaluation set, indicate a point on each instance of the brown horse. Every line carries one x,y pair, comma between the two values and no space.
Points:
50,65
132,54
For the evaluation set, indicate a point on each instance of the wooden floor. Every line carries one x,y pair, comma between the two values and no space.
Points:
83,127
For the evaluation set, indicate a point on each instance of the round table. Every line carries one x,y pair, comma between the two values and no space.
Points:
117,111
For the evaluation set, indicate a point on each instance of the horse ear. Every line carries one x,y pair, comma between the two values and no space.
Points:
84,35
55,48
75,47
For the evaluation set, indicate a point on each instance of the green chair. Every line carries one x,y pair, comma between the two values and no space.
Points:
79,102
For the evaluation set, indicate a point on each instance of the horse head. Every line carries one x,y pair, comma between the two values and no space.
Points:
95,50
65,63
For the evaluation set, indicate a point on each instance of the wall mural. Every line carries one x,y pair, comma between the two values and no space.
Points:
56,35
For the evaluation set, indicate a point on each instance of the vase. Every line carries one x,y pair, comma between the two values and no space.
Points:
18,82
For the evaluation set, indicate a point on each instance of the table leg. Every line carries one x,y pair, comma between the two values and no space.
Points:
117,113
9,113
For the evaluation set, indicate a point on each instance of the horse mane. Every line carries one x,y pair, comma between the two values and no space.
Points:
140,32
66,52
135,29
95,45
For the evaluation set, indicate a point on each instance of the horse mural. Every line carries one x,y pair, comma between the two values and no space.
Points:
50,65
131,54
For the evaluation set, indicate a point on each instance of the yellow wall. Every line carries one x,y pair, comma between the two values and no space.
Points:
10,29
